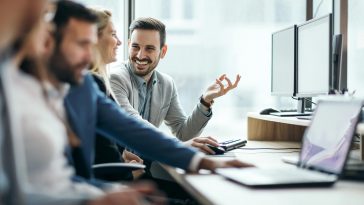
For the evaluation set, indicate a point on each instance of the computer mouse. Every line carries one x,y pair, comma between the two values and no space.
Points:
268,111
217,150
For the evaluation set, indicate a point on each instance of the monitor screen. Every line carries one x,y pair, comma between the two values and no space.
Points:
328,139
314,57
283,62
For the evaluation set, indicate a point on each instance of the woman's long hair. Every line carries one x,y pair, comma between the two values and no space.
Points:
29,63
99,67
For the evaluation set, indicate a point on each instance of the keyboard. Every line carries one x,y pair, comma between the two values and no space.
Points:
305,117
295,110
232,144
290,110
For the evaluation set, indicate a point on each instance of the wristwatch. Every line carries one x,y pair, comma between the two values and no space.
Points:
203,102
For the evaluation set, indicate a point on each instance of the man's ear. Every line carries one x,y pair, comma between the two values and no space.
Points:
164,51
129,42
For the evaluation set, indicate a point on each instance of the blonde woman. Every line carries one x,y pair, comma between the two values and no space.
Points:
106,50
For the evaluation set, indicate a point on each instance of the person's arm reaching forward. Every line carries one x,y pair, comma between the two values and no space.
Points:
146,139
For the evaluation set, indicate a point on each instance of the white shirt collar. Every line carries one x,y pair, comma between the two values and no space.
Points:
53,92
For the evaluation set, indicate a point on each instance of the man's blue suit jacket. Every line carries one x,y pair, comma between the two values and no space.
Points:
90,111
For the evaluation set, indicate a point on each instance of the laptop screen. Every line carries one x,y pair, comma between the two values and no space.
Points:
328,139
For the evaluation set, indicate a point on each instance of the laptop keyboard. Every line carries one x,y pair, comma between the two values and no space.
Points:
291,175
256,176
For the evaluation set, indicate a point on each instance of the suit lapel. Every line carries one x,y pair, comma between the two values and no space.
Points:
156,104
75,155
71,116
135,97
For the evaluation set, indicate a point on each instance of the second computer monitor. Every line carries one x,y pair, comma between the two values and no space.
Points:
314,57
283,62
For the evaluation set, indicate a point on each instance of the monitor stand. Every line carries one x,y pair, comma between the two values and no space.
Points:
300,110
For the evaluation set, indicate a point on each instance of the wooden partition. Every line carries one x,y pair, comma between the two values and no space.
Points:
272,128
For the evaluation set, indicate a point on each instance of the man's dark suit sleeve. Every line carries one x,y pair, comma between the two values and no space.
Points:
116,124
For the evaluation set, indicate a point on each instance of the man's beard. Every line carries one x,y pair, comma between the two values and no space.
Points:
63,70
145,72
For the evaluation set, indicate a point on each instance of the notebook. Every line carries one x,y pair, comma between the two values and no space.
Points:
325,147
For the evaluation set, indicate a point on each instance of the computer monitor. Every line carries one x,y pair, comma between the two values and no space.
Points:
283,62
314,57
336,75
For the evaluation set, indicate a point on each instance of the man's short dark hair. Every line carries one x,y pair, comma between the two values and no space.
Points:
68,9
148,23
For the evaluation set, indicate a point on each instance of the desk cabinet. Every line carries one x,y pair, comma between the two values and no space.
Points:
273,128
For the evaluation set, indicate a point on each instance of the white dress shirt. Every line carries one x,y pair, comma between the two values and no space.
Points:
44,136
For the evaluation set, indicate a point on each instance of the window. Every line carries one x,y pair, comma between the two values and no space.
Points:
117,9
321,7
356,47
207,38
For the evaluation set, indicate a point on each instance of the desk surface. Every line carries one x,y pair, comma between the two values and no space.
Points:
213,189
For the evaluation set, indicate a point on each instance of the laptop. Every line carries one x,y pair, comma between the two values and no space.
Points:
325,147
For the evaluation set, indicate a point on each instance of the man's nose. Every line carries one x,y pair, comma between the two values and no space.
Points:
141,54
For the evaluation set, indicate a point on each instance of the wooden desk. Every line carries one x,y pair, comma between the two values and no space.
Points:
273,128
213,189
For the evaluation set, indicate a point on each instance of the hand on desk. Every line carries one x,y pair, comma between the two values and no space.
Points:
213,164
130,157
201,144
